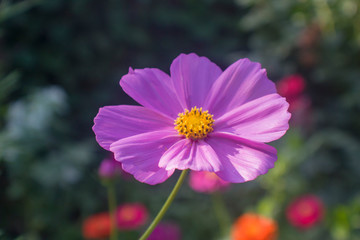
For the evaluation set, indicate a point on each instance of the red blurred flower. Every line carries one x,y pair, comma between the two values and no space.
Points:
305,211
206,182
131,216
97,226
291,87
166,231
251,226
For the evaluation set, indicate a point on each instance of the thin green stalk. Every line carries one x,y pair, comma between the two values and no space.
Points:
110,186
221,212
165,207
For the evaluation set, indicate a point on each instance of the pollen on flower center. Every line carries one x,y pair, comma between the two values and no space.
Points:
195,124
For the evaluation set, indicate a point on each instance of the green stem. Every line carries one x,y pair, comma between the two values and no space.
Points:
221,212
112,207
165,207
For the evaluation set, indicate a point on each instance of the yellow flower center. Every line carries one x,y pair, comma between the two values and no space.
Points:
195,124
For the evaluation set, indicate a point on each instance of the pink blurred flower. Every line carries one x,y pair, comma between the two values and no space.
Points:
109,168
198,117
166,231
206,182
305,211
130,216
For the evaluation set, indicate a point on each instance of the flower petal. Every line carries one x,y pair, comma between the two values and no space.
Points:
241,82
262,120
153,89
152,176
242,160
193,77
195,155
115,122
140,155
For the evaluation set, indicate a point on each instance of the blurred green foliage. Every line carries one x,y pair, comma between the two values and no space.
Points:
62,60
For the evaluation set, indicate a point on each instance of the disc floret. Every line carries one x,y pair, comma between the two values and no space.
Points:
194,124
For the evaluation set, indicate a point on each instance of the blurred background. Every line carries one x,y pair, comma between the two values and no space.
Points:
61,60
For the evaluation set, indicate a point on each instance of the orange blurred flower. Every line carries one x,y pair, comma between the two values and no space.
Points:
97,226
251,226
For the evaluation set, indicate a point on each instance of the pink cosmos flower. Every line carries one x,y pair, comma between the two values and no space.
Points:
198,118
166,231
305,212
130,216
206,182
